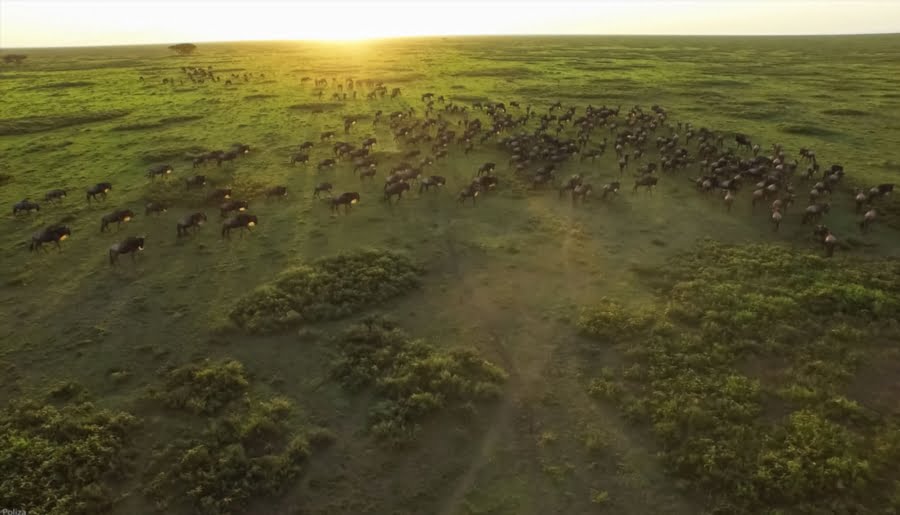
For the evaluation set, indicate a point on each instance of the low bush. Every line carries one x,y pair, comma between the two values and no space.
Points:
326,289
252,453
411,378
780,436
203,388
63,461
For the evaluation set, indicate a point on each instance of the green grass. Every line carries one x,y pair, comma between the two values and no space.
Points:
612,346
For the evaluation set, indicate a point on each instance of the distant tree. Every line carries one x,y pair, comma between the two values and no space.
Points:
184,48
14,58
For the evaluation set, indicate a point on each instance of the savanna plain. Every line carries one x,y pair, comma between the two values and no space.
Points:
650,351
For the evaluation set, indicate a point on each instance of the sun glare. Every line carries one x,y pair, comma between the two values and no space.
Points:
96,22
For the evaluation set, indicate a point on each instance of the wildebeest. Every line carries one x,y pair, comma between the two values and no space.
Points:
154,207
868,220
233,205
276,191
582,191
612,187
326,135
197,181
729,200
326,163
743,141
647,181
240,221
814,212
470,191
192,221
433,181
240,148
54,233
487,182
118,216
346,200
300,158
368,172
159,170
219,194
776,218
25,206
570,184
307,145
486,168
130,245
395,189
101,189
54,195
322,186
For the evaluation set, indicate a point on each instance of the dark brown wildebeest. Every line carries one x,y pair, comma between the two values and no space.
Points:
647,181
582,191
570,184
25,206
326,135
486,169
470,191
729,200
743,141
219,194
101,188
240,221
54,195
233,205
486,182
435,181
322,186
154,207
130,245
198,161
53,233
240,148
159,171
306,145
344,199
868,220
861,198
395,92
368,172
612,187
776,218
815,212
300,158
118,216
277,191
395,189
192,221
197,181
325,163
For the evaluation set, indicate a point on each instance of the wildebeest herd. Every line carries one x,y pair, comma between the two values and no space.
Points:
539,146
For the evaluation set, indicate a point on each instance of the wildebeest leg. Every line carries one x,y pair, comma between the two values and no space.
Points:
112,257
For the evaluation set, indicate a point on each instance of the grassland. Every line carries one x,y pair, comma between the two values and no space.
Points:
651,354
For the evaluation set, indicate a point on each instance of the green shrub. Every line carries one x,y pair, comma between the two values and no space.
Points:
203,388
63,461
411,377
252,453
327,289
610,322
807,323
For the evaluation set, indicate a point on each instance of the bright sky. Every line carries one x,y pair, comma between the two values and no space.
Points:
39,23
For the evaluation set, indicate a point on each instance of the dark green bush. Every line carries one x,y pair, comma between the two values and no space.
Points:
254,452
62,461
203,388
328,288
807,324
411,377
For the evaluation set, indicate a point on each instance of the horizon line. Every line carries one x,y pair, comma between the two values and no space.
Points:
459,36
